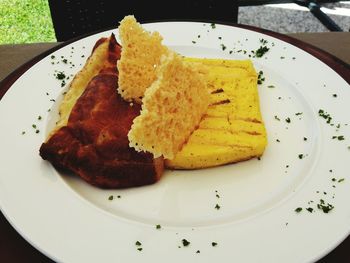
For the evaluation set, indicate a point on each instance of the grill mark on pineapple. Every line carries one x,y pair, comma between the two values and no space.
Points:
217,91
226,101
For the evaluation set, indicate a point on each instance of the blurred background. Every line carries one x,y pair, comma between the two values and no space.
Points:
28,21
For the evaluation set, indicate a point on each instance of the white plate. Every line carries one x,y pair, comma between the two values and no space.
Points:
71,221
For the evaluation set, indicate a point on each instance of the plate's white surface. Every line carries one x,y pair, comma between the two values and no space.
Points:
71,221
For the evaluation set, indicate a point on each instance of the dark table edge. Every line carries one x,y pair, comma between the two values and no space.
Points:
339,66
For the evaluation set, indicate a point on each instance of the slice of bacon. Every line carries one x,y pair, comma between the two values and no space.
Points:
94,143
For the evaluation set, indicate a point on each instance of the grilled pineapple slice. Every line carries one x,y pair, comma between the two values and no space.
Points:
232,129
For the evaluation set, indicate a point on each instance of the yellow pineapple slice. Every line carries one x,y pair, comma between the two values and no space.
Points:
232,129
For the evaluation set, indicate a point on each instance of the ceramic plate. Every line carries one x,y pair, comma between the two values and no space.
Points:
289,206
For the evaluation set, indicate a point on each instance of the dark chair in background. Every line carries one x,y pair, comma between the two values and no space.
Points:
313,6
74,18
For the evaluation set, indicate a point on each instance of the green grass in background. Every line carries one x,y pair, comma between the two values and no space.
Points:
25,21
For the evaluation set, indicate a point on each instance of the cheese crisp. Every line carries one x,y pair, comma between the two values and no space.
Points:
232,129
140,58
171,108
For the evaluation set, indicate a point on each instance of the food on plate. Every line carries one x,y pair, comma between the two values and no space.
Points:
135,109
94,143
232,129
140,58
94,64
172,107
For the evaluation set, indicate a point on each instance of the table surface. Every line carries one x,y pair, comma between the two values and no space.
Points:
13,248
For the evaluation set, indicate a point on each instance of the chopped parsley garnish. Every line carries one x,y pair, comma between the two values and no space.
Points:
326,208
298,113
138,243
277,140
111,197
288,120
298,209
261,78
341,180
194,42
261,51
185,242
339,138
158,226
223,47
282,57
23,132
276,118
301,156
217,206
305,139
325,115
39,117
60,75
310,209
271,86
198,251
263,41
34,126
214,244
213,25
139,249
335,95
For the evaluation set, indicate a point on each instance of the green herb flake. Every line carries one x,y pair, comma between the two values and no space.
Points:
262,50
288,120
60,75
214,244
223,47
139,249
263,41
185,242
39,117
276,118
298,209
325,115
111,197
37,131
158,226
271,86
298,113
335,95
138,243
282,57
301,156
341,180
194,42
213,25
217,207
23,132
310,209
261,78
198,251
277,140
326,208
